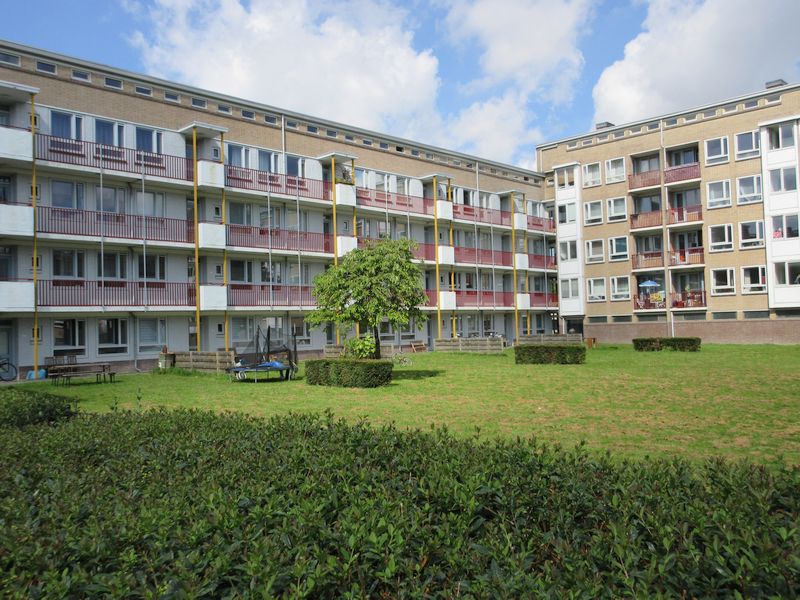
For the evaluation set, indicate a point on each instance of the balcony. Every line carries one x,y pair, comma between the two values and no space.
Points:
644,180
71,221
421,252
482,215
681,173
247,294
77,293
686,256
474,298
647,260
647,219
16,295
431,294
544,300
541,224
276,183
15,144
112,158
498,258
689,299
394,201
653,301
278,239
687,214
541,261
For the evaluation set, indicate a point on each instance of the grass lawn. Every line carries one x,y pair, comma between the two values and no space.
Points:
735,401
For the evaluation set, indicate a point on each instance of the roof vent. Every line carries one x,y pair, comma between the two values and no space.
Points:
603,125
774,83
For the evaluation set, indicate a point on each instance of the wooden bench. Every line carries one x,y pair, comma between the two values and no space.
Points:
419,347
65,373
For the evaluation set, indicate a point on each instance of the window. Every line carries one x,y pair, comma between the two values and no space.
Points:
148,140
242,329
591,174
719,194
615,170
783,180
682,156
152,267
617,209
330,133
787,273
781,136
594,251
292,124
754,280
143,90
199,103
751,234
270,273
111,200
721,237
112,82
569,288
111,265
722,282
596,289
620,288
748,189
9,59
65,125
312,129
593,212
717,151
267,161
150,204
172,97
152,334
66,194
272,120
248,114
645,164
238,156
242,271
747,145
5,189
45,67
68,264
301,331
109,133
566,213
568,250
224,108
618,248
239,214
69,337
112,336
785,226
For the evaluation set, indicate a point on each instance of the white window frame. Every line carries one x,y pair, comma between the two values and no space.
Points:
755,140
781,232
776,142
567,220
75,258
784,267
569,288
589,181
120,260
726,290
782,180
75,125
613,254
587,218
756,196
247,267
249,328
723,156
616,294
724,200
726,246
759,288
571,252
758,242
120,344
161,335
614,216
79,347
596,289
592,257
610,176
159,266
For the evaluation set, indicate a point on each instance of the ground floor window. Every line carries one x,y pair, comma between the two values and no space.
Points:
69,337
301,330
242,329
112,336
152,334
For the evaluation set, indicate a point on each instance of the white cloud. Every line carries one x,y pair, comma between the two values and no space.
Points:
690,53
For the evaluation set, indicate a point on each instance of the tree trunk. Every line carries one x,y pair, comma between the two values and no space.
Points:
376,336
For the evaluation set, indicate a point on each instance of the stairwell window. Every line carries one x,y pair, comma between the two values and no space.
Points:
567,251
748,189
569,288
717,150
785,226
783,180
787,273
566,213
781,136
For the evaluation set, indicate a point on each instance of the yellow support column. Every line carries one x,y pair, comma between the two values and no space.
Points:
355,233
514,269
35,243
335,241
224,250
196,241
452,271
436,257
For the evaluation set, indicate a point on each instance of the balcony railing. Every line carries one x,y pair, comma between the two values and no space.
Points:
464,254
541,261
541,223
279,239
482,215
72,221
423,251
112,158
647,260
647,219
276,183
248,294
544,299
687,256
432,298
688,299
110,292
687,214
646,179
649,301
484,298
394,201
682,173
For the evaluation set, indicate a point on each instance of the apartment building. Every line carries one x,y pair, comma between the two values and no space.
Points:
682,224
137,213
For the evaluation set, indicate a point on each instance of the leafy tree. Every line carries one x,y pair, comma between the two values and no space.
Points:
369,285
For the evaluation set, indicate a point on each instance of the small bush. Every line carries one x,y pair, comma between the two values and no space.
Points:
360,347
559,354
28,407
647,344
348,372
682,344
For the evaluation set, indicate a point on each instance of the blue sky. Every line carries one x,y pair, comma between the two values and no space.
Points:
490,77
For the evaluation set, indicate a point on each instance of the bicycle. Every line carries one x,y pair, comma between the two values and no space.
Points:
401,360
8,370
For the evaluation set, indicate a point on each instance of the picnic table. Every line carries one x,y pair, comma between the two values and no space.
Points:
65,373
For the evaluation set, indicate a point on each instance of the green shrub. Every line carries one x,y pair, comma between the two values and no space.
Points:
348,372
28,407
682,344
560,354
196,505
360,347
647,344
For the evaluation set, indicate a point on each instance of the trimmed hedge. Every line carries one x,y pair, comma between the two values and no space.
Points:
348,372
683,344
561,354
196,505
19,408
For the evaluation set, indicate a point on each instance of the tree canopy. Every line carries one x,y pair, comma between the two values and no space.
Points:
370,284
